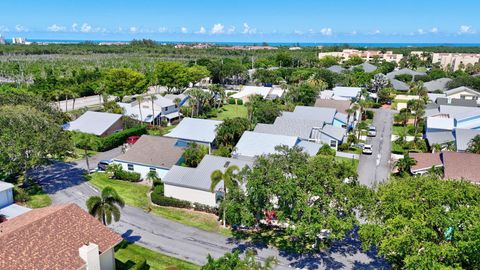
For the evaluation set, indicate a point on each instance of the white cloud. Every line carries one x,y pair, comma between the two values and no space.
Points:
86,28
376,32
184,30
217,28
248,30
74,27
354,32
21,28
3,28
162,29
133,29
434,30
326,31
298,32
421,31
231,30
466,29
311,31
202,30
56,28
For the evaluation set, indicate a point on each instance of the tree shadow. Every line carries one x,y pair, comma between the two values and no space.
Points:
58,176
130,238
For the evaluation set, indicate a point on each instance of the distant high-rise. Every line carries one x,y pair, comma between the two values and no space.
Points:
19,40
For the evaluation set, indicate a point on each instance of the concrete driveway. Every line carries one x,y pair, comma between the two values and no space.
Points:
65,183
375,169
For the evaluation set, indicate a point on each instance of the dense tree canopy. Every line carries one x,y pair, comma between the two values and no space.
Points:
311,197
426,223
262,111
123,82
230,131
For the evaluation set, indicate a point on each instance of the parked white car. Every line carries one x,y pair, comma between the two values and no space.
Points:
367,149
372,131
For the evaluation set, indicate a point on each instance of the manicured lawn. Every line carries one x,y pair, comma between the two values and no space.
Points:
231,111
38,198
129,256
133,194
136,195
160,131
348,160
79,154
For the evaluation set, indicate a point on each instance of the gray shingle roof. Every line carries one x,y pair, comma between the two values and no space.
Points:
405,71
438,84
399,85
199,178
312,113
153,151
439,137
93,122
192,129
463,137
367,67
289,127
336,69
339,105
457,102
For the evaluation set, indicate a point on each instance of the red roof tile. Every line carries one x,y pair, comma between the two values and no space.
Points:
49,238
425,161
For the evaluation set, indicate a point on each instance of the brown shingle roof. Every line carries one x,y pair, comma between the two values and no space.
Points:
425,161
461,165
340,105
49,238
154,151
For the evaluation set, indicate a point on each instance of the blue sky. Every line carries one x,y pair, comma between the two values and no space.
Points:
440,21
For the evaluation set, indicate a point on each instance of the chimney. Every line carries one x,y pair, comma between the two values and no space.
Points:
91,255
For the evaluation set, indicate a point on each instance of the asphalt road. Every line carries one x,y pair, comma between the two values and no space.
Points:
375,169
65,183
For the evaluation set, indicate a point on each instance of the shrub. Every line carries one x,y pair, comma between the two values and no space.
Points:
404,77
157,182
20,194
126,176
118,138
231,100
169,201
159,190
369,114
239,102
326,150
205,208
343,147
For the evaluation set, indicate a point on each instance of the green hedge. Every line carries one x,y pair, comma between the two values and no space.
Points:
126,176
231,100
205,208
159,190
95,143
239,102
169,201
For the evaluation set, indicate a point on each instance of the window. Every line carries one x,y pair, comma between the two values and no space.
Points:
333,143
130,167
153,169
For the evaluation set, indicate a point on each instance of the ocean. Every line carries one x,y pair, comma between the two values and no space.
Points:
310,44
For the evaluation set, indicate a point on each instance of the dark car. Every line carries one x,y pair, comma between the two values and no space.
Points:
103,164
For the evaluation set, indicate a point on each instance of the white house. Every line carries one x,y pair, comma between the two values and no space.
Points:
8,209
161,109
151,153
6,194
193,184
462,92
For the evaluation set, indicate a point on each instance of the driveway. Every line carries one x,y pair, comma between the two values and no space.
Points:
375,169
65,184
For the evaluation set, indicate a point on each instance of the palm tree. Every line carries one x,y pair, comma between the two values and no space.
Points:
228,182
152,176
403,117
139,100
105,207
100,90
361,126
177,102
66,93
85,139
404,164
74,96
419,108
153,98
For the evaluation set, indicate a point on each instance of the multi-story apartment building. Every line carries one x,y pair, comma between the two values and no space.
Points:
346,54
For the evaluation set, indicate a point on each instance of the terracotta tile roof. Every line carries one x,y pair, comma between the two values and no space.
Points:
425,161
49,238
462,165
154,151
340,105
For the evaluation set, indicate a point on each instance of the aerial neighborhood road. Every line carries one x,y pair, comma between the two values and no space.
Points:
374,169
65,183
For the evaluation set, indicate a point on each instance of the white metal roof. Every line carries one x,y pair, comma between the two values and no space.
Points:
252,90
253,144
193,129
93,122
